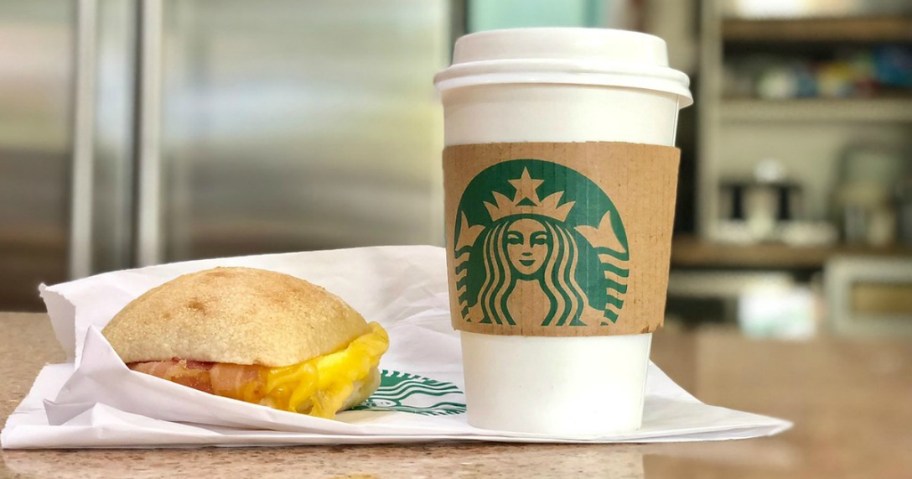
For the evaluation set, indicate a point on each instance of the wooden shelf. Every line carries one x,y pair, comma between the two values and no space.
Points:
839,29
823,109
689,252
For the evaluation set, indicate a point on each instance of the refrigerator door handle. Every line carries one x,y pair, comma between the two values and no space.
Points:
81,186
149,164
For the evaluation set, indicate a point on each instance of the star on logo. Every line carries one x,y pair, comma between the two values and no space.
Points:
526,201
526,194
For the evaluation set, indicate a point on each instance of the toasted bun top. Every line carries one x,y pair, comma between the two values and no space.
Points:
234,315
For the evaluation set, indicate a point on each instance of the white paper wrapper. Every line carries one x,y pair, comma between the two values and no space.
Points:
95,401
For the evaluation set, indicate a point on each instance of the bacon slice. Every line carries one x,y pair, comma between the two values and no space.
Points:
230,380
178,371
237,381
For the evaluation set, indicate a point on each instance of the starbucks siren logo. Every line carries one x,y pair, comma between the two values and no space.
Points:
521,239
415,394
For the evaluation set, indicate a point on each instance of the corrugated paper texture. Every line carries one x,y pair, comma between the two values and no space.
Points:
559,239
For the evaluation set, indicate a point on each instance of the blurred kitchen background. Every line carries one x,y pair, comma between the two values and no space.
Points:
135,132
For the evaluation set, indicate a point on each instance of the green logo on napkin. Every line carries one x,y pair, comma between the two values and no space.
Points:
539,241
406,392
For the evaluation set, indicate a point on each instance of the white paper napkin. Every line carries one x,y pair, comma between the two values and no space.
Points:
95,401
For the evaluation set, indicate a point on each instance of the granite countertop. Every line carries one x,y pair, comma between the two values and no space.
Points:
849,399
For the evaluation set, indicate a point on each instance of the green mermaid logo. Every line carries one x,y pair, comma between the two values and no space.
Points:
523,250
406,392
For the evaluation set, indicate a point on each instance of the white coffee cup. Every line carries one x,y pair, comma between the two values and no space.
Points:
559,85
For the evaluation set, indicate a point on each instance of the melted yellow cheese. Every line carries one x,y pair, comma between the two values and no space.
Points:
322,385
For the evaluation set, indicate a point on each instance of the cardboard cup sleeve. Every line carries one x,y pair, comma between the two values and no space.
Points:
559,239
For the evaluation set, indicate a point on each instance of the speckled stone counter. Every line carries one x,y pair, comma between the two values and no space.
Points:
850,400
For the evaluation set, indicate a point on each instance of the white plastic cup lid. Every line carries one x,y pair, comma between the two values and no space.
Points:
583,56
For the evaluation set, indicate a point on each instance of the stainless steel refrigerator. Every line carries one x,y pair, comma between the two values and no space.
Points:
135,132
